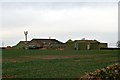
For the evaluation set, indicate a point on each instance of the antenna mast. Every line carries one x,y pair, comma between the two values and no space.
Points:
26,33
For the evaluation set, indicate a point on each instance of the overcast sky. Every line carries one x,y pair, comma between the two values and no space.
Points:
59,20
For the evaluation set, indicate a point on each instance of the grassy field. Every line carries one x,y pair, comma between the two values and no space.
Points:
54,63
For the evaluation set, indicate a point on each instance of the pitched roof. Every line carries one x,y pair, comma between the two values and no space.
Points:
69,41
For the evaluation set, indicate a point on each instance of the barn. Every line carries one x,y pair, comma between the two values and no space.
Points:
84,45
46,43
40,44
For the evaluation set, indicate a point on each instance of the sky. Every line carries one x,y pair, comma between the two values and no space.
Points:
89,19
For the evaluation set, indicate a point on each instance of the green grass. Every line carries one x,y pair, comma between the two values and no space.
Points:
17,65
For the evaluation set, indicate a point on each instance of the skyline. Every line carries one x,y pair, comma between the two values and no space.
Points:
60,20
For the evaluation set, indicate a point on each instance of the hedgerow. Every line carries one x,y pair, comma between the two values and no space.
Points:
111,72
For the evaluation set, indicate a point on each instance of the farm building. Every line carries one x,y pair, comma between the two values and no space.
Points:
46,43
40,44
84,45
55,44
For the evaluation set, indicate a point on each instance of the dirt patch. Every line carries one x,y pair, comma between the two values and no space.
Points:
51,56
44,57
8,76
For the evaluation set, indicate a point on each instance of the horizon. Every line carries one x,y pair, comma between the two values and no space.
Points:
60,41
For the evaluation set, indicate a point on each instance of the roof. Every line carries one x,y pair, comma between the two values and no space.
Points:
47,40
69,41
90,41
21,43
35,42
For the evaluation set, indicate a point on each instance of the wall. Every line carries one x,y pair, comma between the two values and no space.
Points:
94,46
82,46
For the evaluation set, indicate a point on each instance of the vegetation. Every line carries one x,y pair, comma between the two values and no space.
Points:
118,44
54,63
111,72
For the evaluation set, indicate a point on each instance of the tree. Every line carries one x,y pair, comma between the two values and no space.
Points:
118,44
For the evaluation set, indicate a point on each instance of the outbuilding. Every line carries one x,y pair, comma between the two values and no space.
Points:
84,45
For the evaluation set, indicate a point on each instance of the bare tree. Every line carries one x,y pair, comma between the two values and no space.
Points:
118,44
